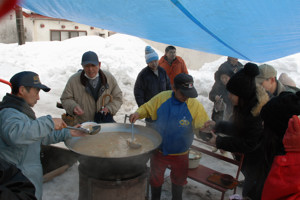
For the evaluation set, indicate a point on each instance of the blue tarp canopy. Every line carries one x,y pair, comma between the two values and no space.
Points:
254,30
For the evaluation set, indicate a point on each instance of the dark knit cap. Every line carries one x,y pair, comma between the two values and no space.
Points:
224,70
277,112
242,84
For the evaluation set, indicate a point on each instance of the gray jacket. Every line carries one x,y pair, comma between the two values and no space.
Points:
284,88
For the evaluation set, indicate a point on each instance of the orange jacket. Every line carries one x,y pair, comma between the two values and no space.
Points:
177,67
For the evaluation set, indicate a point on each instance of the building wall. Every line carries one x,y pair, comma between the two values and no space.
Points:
8,28
42,28
34,31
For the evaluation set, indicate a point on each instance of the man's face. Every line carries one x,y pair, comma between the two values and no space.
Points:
91,70
179,96
171,54
268,85
31,96
153,64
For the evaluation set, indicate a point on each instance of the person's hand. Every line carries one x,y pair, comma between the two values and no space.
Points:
208,126
77,133
59,123
213,139
78,111
105,110
133,117
291,139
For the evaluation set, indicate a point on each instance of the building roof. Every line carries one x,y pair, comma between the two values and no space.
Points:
38,16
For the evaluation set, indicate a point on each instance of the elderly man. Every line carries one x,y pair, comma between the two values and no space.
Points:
21,133
176,113
173,64
151,80
268,79
85,90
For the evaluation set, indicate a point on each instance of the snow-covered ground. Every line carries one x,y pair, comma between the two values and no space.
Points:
124,57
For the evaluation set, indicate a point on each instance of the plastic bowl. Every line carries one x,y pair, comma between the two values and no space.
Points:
226,179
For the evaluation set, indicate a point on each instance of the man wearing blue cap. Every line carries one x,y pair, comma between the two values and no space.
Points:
84,97
21,133
176,114
86,90
152,80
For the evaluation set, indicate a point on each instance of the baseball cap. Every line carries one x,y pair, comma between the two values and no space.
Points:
89,57
265,72
185,84
28,78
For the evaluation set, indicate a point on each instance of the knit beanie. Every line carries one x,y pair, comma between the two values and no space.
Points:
277,112
224,70
242,83
150,54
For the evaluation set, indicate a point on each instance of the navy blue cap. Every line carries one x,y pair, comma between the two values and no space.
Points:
28,78
89,57
185,84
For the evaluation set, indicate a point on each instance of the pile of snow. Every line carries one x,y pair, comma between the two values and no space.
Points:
124,57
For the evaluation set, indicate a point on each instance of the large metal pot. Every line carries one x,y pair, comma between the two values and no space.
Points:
116,168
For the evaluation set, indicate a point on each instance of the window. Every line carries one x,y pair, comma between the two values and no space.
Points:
64,35
55,36
73,34
58,35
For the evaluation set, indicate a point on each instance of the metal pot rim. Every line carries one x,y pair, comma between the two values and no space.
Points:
151,134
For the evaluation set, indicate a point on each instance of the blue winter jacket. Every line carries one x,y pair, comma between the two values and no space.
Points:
20,142
175,120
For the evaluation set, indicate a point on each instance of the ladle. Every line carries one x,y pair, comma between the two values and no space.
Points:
131,143
95,129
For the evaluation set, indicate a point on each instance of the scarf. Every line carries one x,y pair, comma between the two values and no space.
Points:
18,103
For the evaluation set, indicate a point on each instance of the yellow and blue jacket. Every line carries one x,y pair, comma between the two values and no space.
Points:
174,120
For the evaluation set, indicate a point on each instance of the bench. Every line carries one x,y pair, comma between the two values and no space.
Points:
201,173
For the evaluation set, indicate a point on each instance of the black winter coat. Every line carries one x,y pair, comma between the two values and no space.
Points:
246,137
148,84
220,89
247,140
13,184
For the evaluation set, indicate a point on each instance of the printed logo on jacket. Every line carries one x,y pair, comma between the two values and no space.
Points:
184,122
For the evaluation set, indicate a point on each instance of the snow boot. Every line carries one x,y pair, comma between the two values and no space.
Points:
155,193
176,192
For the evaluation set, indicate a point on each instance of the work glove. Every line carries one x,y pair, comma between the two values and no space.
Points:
291,139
